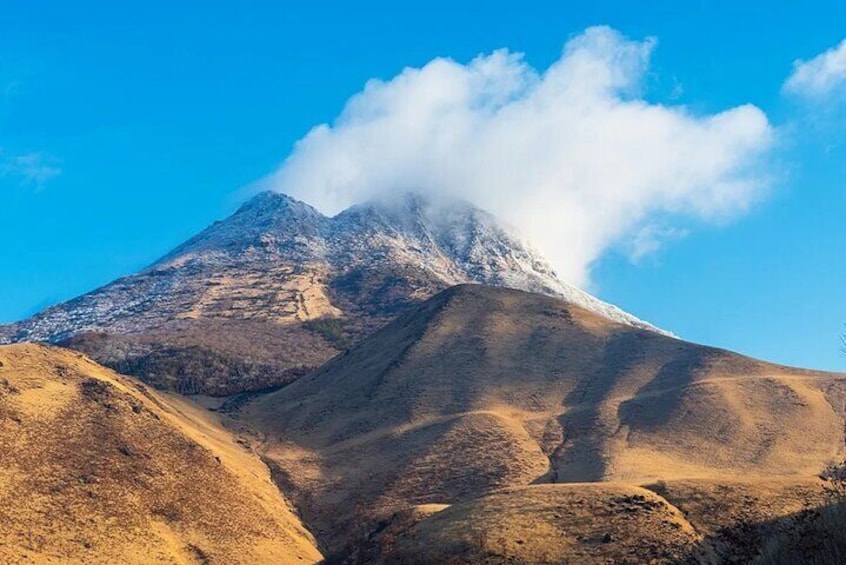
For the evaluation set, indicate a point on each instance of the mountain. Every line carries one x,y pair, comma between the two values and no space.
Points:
96,467
273,291
481,389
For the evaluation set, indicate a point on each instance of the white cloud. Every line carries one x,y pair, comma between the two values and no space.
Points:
652,237
26,169
30,168
573,156
821,76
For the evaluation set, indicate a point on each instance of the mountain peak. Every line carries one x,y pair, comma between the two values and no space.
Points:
272,211
279,265
413,203
269,202
269,220
431,218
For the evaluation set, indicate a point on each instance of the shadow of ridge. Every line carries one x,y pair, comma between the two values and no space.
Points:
580,457
653,404
815,536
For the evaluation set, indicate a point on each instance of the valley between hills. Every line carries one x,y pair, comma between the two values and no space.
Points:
393,385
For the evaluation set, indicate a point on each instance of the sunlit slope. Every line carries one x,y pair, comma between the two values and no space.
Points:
696,521
482,388
580,523
96,468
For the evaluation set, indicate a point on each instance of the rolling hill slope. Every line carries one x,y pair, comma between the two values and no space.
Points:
693,521
481,389
97,468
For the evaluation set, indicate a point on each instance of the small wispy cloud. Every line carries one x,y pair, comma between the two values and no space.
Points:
29,169
651,238
821,76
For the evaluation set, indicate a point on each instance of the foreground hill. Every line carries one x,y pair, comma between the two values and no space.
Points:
480,389
277,289
699,521
96,468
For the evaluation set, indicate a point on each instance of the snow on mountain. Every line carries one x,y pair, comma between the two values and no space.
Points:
280,260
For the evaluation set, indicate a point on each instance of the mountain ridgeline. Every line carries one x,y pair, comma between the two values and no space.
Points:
263,297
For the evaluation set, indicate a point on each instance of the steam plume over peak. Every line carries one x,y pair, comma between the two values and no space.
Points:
573,155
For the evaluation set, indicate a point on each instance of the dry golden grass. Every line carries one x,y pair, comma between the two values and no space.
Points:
486,426
697,521
482,389
574,523
96,468
738,517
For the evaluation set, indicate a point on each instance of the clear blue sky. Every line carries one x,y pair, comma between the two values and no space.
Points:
157,115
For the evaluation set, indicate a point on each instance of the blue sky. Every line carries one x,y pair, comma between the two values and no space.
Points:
125,131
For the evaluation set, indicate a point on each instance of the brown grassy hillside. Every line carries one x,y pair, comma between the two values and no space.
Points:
698,521
582,523
481,389
96,468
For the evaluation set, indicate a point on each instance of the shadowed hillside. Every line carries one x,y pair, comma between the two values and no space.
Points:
481,389
96,468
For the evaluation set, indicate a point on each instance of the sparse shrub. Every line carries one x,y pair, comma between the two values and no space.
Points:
835,483
815,536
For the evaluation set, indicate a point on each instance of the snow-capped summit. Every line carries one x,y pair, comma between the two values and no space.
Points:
277,269
459,242
453,239
266,219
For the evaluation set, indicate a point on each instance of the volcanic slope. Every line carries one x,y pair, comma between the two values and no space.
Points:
96,468
276,289
698,521
480,389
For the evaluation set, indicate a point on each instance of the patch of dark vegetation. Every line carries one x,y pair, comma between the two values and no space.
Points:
214,357
237,401
333,330
201,556
197,370
371,542
382,293
95,390
8,388
170,513
817,535
636,503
